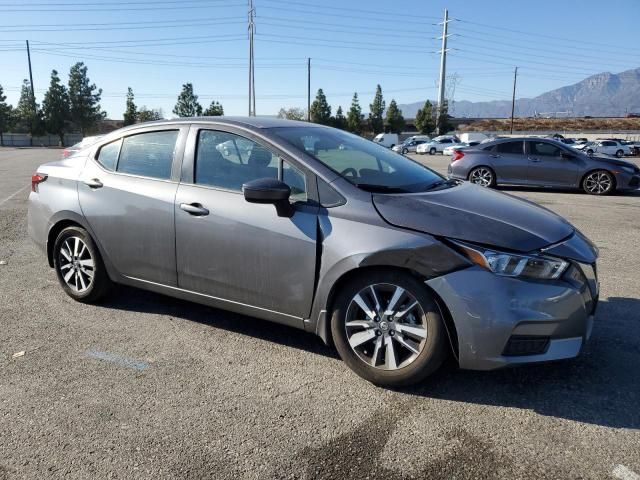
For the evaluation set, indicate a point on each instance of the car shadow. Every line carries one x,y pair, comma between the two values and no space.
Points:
600,387
506,188
136,300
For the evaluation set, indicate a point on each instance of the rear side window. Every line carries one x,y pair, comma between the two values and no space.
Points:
148,154
510,147
108,155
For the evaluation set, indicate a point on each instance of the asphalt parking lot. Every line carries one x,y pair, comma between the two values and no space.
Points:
144,386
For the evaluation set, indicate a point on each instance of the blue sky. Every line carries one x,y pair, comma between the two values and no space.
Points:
155,47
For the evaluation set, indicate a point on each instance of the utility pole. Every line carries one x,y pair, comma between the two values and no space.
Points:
443,68
308,89
33,95
513,98
252,85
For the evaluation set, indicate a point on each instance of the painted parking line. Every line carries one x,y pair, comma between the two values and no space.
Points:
623,473
13,194
118,359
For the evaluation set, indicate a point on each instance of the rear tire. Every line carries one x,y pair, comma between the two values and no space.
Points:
395,350
79,266
483,176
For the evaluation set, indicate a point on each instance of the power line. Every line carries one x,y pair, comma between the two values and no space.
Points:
147,7
344,9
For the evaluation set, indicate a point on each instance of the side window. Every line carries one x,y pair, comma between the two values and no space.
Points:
148,154
296,180
544,149
514,148
226,160
108,155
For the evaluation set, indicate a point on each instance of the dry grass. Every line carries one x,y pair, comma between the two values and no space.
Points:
553,124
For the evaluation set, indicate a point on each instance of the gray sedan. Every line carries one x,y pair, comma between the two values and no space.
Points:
542,163
324,231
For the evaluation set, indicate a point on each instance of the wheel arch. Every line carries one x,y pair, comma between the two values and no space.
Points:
323,327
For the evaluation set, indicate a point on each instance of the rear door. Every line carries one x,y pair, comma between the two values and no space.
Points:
127,192
243,253
547,166
509,162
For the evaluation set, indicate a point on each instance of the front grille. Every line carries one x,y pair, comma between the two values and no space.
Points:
526,345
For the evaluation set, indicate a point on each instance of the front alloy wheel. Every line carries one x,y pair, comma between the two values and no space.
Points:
598,183
482,176
388,329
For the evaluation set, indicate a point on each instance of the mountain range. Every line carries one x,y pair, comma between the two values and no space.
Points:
600,95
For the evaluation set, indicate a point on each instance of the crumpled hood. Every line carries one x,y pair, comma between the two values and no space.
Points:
476,214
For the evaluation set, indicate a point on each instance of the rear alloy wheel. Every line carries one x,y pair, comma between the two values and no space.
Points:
388,329
619,154
482,176
79,266
599,182
432,151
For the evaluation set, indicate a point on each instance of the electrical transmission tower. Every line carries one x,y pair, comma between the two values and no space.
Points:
443,68
252,78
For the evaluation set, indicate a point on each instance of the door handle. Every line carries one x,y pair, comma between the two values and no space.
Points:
195,209
535,160
495,156
93,183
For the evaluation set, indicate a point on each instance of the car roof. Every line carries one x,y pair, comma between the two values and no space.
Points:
254,122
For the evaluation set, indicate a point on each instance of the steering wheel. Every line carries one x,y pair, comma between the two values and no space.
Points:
349,170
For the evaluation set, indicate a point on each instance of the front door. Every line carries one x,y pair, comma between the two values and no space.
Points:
240,252
547,165
127,196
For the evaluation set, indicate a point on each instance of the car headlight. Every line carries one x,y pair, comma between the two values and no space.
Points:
514,265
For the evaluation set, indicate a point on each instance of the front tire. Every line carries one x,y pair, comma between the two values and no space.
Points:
619,154
405,151
599,182
432,151
79,266
388,329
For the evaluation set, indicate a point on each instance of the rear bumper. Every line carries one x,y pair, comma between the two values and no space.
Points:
37,222
492,313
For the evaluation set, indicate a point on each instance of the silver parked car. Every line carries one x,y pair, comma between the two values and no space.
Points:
542,163
322,230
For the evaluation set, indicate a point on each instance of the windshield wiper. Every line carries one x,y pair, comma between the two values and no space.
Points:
450,183
380,188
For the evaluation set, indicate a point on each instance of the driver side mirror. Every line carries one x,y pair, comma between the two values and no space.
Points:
269,190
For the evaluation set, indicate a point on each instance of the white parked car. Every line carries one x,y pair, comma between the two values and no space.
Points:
438,144
609,147
388,140
458,146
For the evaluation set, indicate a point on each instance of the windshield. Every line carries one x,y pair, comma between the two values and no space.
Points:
369,166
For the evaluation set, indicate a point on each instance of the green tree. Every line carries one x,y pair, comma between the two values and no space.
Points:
55,107
320,109
292,113
131,111
376,119
187,105
340,121
146,115
214,110
28,118
394,121
84,98
444,120
354,115
6,115
424,119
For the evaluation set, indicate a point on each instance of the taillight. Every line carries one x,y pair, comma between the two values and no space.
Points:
457,155
36,179
65,153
